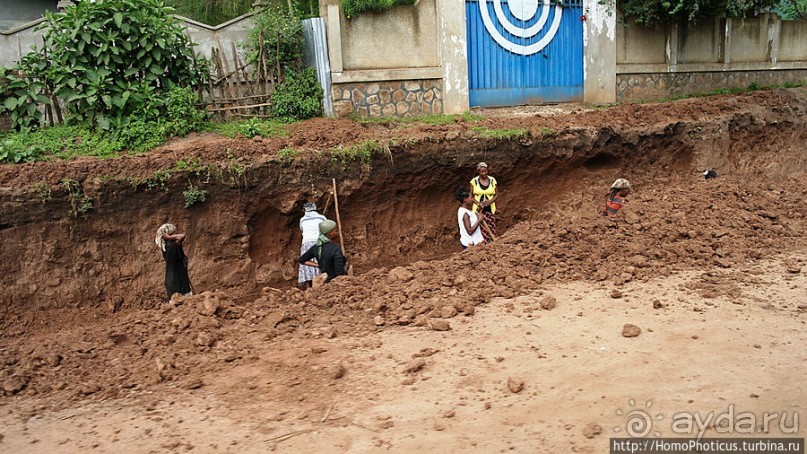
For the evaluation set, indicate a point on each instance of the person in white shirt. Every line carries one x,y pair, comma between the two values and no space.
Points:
469,222
309,225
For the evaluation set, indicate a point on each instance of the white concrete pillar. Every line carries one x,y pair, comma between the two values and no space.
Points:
453,55
599,53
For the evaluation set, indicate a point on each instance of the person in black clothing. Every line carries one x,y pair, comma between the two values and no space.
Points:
330,259
176,262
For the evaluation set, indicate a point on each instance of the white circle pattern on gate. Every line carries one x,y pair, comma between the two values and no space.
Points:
525,12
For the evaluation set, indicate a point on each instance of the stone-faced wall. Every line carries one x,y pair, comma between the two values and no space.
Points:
660,85
388,99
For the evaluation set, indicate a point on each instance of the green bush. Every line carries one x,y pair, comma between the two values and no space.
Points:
353,7
106,60
10,151
663,12
299,96
194,195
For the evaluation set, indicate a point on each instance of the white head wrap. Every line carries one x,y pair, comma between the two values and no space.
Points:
167,229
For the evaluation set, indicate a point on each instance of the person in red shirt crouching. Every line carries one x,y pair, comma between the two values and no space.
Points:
616,197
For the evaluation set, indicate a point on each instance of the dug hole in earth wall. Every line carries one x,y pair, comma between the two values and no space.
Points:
397,208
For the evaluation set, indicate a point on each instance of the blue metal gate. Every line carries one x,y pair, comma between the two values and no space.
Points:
524,51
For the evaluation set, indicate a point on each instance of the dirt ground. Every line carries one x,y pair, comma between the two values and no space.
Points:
520,345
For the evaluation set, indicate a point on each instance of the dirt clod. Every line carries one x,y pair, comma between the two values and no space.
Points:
630,330
195,383
209,305
401,274
515,385
548,303
592,429
439,325
14,385
448,311
337,371
414,365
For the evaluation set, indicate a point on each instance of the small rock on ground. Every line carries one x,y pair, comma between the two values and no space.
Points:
630,330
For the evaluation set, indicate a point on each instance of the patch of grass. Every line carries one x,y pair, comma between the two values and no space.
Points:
725,91
548,132
433,119
507,134
249,128
43,190
362,151
80,202
235,170
157,182
287,156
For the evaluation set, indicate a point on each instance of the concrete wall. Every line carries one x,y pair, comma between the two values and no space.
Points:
418,51
709,55
403,37
222,36
17,42
14,13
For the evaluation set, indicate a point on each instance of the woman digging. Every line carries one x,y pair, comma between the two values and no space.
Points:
176,262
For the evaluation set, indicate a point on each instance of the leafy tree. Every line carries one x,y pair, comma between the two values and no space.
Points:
661,12
280,33
792,9
107,60
211,12
353,7
214,12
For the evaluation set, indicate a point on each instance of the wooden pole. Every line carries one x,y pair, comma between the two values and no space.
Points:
327,204
487,229
338,220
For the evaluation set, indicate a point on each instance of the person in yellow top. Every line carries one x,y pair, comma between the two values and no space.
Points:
485,191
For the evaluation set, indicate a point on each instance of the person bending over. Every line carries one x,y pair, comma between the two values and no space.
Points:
176,262
330,259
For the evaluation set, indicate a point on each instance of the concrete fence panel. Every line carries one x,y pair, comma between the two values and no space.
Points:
17,42
749,40
701,42
403,37
793,41
640,45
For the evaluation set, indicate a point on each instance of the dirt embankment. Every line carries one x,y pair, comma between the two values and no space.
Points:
398,216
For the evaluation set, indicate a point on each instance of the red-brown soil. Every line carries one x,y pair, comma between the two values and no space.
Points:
81,308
